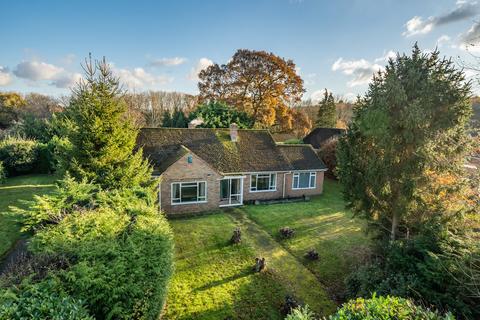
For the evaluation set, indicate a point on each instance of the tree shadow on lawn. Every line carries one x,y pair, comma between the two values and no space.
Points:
243,273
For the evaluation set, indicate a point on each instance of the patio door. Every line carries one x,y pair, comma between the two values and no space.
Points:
231,191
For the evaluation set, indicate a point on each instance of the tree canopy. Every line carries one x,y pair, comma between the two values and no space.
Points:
327,117
101,137
259,83
220,115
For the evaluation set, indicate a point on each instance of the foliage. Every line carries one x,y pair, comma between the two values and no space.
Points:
35,128
179,119
301,313
120,247
386,308
259,83
435,267
293,141
22,156
3,173
328,153
326,117
401,161
220,115
101,138
167,119
44,300
11,104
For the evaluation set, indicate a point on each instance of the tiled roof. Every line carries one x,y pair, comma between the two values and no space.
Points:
254,151
319,135
302,157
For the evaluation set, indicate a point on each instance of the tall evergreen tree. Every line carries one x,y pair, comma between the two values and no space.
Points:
179,120
167,119
102,138
401,162
327,117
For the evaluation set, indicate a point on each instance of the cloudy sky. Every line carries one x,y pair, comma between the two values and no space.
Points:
162,45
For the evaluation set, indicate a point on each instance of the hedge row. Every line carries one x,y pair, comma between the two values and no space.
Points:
119,251
23,156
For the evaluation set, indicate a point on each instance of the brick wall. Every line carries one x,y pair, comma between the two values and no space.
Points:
182,171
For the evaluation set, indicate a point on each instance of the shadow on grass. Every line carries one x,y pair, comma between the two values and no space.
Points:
242,274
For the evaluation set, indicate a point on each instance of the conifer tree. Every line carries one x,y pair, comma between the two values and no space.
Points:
102,138
167,119
327,117
179,120
401,162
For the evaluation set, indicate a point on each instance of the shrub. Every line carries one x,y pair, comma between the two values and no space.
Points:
386,308
3,173
23,156
327,153
43,300
287,232
121,248
301,313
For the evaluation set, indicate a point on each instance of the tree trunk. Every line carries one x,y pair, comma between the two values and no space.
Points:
393,233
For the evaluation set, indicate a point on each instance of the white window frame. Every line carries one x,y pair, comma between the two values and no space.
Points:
172,198
312,174
272,187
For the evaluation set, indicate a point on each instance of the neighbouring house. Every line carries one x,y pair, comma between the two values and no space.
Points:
319,136
204,169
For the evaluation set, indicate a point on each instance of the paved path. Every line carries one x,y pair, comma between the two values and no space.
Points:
293,274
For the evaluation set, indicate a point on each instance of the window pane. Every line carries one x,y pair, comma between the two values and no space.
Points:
253,182
272,181
176,191
189,192
312,179
295,180
304,179
224,188
263,183
201,189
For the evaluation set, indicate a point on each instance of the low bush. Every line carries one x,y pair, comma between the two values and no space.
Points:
386,308
328,154
301,313
23,156
44,300
3,173
119,246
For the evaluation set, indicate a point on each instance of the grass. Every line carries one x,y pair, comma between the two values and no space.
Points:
214,279
11,194
322,224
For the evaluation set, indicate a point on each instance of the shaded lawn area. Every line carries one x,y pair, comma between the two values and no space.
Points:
214,279
11,193
322,224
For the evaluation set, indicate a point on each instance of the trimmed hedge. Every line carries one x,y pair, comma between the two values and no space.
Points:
120,248
3,173
23,156
386,308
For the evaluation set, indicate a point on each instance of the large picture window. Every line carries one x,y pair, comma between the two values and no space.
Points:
263,182
189,192
304,180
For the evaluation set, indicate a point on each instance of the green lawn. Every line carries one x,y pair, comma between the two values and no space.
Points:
214,280
322,224
14,190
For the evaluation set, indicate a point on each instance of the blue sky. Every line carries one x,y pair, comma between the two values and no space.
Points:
161,45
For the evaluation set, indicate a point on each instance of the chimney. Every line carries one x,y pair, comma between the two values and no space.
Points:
234,132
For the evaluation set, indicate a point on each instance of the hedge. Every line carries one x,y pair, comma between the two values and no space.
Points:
3,173
23,156
120,248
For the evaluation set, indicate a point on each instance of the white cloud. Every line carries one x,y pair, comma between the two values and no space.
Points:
5,77
317,95
139,78
35,70
66,80
444,39
361,70
175,61
418,25
202,64
69,59
389,54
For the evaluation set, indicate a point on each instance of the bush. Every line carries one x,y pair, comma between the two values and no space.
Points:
44,300
385,308
120,248
328,154
301,313
23,156
3,173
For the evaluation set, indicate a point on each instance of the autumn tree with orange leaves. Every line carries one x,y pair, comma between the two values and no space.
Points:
259,83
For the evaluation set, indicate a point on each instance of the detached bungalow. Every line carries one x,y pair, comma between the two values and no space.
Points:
204,169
